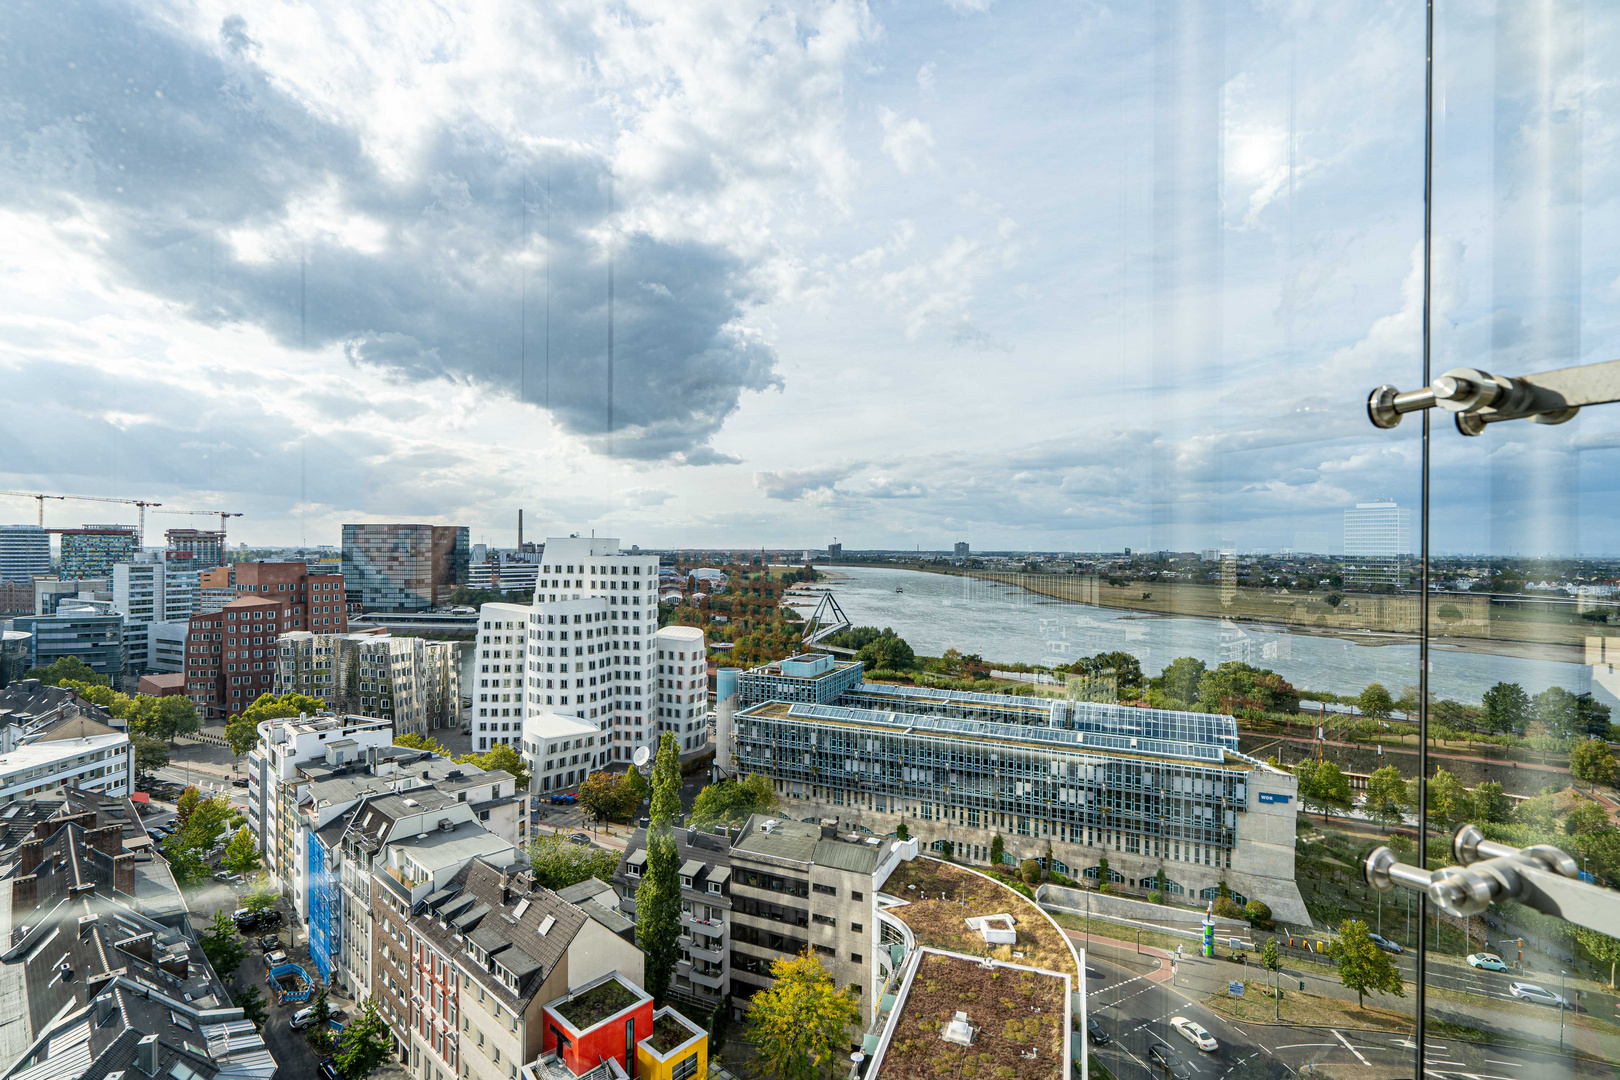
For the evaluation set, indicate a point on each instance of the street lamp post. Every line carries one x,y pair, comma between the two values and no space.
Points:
1562,990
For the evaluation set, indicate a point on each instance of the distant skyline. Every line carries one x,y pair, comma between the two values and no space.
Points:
1034,276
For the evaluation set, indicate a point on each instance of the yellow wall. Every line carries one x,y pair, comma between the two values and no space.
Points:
648,1067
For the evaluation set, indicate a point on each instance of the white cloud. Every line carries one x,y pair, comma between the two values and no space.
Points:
907,140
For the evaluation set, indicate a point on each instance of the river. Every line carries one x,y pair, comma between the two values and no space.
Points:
935,612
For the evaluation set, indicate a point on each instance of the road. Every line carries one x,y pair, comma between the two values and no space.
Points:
1134,997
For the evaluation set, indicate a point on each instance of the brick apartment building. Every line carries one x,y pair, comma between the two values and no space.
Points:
231,652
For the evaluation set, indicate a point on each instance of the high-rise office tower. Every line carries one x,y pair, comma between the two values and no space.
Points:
404,567
151,590
206,548
92,551
25,550
1377,540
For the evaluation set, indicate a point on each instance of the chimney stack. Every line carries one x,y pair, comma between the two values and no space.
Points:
520,531
146,1055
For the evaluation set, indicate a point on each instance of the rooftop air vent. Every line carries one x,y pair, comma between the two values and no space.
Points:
446,825
959,1031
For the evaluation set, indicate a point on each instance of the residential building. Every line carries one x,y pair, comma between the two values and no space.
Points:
25,553
16,597
962,551
1377,541
414,682
682,693
404,567
835,550
231,655
561,750
595,1028
1068,783
33,708
465,973
275,781
77,630
49,593
603,603
97,761
423,837
92,551
203,548
151,589
703,974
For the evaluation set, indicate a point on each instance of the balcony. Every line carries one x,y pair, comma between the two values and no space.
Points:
714,952
713,978
713,928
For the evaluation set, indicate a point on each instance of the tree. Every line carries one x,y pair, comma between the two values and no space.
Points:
1586,818
500,758
164,718
1030,871
220,944
414,741
187,804
731,802
1602,947
1363,966
1491,804
1507,708
1450,803
1375,702
636,790
67,669
243,733
998,850
1236,685
202,821
1593,762
241,854
658,899
719,1026
1386,794
1257,912
557,863
1557,710
251,1002
150,754
886,652
260,896
1322,785
1270,956
599,796
1124,668
319,1033
901,832
1181,678
799,1024
364,1045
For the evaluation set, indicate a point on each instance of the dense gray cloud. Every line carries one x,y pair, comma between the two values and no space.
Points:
215,189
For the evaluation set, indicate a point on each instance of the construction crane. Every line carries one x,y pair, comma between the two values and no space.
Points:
222,514
37,497
142,504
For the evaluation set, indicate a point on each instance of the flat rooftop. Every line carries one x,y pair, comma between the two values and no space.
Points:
1044,739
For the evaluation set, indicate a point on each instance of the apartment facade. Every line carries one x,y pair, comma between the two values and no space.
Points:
101,763
404,567
231,655
275,781
464,973
93,551
681,674
25,553
703,973
413,682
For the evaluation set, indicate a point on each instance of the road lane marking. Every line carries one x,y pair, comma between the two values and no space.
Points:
1509,1064
1352,1049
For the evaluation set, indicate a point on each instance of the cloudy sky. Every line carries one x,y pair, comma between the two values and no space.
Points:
723,272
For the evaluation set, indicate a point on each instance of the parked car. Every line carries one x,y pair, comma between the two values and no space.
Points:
564,798
1195,1033
1532,992
582,839
240,781
1387,945
269,943
225,875
276,958
1165,1060
270,918
302,1018
328,1069
246,919
1095,1031
1487,962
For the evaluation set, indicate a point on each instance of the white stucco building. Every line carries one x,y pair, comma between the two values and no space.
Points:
586,648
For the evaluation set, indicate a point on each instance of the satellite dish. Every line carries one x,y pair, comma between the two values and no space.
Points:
641,757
